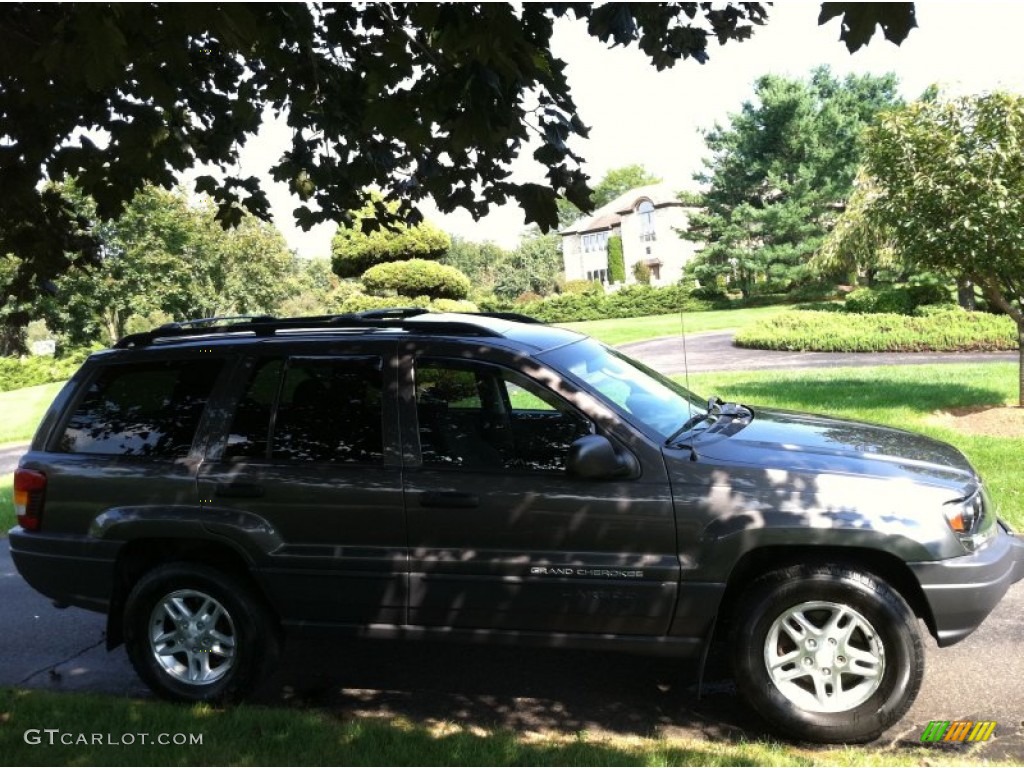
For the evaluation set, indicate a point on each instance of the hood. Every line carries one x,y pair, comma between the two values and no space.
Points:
787,440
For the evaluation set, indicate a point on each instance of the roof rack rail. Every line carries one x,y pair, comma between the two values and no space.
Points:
515,317
267,325
220,319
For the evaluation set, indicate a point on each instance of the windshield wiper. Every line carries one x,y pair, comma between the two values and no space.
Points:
689,424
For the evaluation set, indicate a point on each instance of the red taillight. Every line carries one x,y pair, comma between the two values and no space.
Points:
29,490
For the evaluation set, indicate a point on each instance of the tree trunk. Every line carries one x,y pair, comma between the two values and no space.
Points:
1020,363
12,335
965,294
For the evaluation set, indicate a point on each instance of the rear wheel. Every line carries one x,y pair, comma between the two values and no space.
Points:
826,653
194,633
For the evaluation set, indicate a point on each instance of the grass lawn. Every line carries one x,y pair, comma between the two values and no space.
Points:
6,504
264,736
23,409
898,396
642,328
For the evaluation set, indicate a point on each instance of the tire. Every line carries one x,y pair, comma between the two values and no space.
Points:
799,630
196,634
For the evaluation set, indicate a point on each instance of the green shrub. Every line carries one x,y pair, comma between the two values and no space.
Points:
417,277
929,293
879,300
582,286
616,261
642,273
949,331
451,305
815,291
629,301
17,373
902,299
931,310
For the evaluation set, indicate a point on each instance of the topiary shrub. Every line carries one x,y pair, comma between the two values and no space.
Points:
417,277
616,261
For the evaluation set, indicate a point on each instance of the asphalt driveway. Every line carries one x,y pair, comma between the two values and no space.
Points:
713,351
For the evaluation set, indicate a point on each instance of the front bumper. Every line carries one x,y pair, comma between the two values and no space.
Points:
962,591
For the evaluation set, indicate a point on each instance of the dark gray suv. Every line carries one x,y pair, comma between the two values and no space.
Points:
397,474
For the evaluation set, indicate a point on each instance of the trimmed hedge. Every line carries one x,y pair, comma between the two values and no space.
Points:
17,373
360,302
417,277
616,260
630,301
902,299
952,330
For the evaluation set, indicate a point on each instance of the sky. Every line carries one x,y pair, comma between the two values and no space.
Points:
639,115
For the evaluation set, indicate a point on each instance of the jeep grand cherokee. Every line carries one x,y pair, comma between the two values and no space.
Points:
210,485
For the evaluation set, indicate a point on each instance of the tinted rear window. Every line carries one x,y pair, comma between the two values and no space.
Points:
145,409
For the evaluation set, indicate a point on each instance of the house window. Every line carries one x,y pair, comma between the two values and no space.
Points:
598,241
646,212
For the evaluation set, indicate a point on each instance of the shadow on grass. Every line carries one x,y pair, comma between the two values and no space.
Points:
851,393
561,692
129,732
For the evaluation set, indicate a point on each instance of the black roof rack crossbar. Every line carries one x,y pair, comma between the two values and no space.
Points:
266,325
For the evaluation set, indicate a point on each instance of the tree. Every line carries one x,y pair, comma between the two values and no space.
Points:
165,256
533,267
614,183
417,277
780,172
858,243
616,260
360,245
480,262
420,100
952,180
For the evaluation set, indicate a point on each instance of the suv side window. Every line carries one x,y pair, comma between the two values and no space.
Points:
481,416
311,409
144,409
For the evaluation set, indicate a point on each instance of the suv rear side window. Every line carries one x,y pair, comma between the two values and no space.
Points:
146,409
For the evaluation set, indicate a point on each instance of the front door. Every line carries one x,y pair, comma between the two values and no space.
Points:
501,537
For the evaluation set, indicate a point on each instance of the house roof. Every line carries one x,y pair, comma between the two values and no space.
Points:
610,215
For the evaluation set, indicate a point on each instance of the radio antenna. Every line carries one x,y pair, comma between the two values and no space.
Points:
686,363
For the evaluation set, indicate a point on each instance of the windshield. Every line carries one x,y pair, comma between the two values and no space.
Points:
651,399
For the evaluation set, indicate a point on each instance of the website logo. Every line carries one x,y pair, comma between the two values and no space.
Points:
958,730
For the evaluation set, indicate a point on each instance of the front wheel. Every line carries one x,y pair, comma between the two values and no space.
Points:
826,653
194,633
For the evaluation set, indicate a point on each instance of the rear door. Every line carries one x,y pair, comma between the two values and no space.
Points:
500,536
311,447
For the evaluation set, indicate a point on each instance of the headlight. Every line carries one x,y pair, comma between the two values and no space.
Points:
965,515
968,517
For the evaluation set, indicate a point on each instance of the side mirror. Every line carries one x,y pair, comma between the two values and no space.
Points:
592,457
